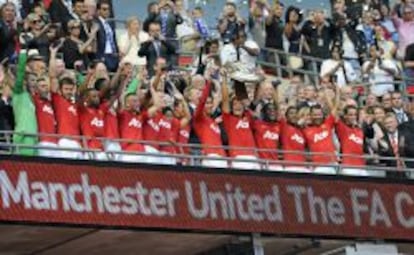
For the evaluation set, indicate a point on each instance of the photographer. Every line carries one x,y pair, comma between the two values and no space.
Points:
381,72
240,50
318,33
351,41
156,47
230,23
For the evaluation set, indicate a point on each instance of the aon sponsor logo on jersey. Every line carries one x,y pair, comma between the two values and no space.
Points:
215,128
356,139
320,136
135,123
97,122
242,124
297,138
271,135
164,124
48,109
153,125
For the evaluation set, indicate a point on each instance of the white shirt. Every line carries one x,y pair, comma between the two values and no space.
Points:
329,64
377,75
348,47
228,54
130,47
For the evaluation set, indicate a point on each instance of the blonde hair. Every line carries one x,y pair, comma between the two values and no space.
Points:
304,112
130,20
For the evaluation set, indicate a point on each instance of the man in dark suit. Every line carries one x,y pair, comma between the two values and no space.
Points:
398,107
8,31
107,48
156,47
166,15
389,147
406,143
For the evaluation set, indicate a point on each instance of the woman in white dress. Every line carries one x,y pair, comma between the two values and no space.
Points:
130,42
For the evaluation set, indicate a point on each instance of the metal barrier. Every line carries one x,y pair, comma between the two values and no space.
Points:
192,159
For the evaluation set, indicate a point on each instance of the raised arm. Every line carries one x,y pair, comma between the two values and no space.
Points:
203,99
54,83
333,103
225,104
156,100
21,69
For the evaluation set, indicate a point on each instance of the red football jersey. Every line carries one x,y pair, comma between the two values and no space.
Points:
183,137
67,116
292,140
267,137
319,140
130,127
206,128
151,129
239,134
46,121
169,129
352,142
93,124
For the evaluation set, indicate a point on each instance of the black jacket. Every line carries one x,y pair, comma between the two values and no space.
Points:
7,41
357,37
148,50
319,43
172,21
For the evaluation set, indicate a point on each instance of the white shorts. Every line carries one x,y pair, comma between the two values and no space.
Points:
75,153
112,147
53,152
246,165
297,169
100,156
152,159
214,161
376,173
325,170
165,160
130,158
272,167
354,172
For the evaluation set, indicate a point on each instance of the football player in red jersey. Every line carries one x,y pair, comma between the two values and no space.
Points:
208,131
351,138
293,142
131,123
170,126
267,136
66,111
319,136
237,125
266,127
182,112
46,121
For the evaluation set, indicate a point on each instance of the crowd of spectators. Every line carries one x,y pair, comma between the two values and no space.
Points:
66,72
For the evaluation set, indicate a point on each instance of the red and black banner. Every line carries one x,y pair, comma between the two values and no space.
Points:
152,197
